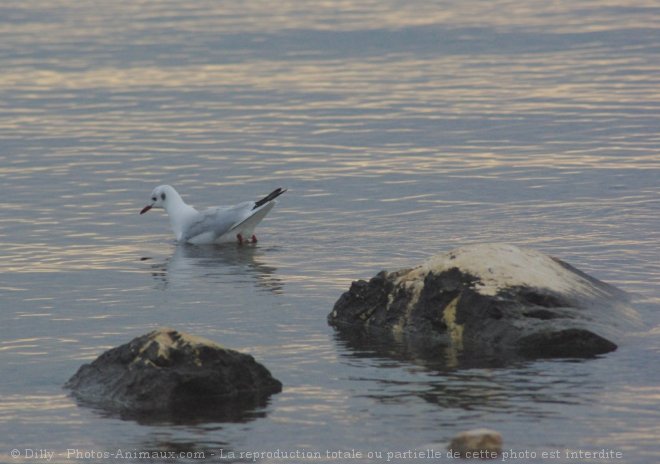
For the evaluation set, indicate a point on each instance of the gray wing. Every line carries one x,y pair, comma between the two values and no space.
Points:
219,220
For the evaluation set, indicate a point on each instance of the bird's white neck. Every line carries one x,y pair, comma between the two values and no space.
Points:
179,213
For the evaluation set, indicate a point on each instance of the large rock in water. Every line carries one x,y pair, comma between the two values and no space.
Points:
491,298
167,374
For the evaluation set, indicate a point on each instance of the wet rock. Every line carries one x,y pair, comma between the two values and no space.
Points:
478,443
492,299
169,374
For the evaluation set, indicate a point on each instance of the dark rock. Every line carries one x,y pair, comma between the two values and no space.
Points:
491,299
167,374
564,343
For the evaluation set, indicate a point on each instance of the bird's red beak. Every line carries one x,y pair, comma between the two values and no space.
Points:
145,209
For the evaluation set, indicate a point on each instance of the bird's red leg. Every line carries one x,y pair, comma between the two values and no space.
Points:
254,238
240,239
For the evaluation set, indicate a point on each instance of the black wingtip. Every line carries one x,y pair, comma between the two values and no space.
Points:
270,197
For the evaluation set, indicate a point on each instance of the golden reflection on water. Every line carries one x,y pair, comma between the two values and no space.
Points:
236,16
454,88
39,258
15,404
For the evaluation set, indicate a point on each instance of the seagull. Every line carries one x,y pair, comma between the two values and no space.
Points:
213,225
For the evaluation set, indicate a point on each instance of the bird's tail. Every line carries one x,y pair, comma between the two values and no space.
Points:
270,197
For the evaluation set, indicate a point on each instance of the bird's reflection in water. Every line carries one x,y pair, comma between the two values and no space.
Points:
217,263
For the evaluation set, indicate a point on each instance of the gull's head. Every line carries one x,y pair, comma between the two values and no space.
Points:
160,196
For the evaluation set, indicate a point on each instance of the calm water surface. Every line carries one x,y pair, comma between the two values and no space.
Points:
401,129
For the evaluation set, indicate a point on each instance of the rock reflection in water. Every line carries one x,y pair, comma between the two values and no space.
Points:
481,382
242,409
430,354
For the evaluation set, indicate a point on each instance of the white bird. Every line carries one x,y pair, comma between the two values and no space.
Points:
213,225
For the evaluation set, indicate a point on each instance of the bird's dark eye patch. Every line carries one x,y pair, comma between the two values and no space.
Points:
154,198
162,196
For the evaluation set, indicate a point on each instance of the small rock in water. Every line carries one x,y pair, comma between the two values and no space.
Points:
170,373
477,443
